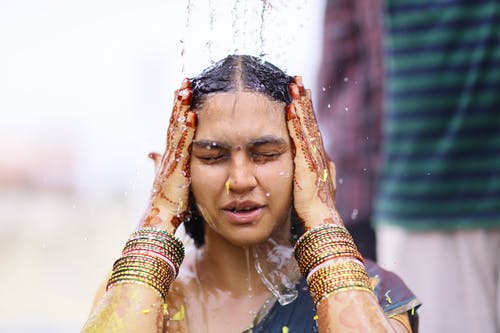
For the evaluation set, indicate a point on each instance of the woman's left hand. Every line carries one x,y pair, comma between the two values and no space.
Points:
314,175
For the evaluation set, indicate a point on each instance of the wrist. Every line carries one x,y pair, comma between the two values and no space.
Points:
316,215
162,218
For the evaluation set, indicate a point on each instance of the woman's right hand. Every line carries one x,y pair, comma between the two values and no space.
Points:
169,197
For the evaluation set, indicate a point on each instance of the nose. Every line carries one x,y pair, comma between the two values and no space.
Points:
241,177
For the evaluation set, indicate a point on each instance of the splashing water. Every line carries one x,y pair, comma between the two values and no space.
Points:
282,273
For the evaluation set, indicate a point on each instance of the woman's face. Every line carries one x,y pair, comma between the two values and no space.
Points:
242,166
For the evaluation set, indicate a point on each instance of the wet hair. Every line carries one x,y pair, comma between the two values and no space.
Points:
236,73
241,73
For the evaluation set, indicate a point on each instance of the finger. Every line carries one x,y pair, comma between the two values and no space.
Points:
333,174
309,138
156,157
177,136
298,81
309,94
302,154
305,111
182,96
171,186
180,178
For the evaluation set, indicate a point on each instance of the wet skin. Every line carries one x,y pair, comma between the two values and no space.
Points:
242,166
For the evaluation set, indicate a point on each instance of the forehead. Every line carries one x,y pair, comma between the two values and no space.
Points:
236,117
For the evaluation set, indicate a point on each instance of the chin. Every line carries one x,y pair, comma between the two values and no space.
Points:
247,237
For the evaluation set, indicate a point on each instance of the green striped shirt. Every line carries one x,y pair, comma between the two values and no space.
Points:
441,159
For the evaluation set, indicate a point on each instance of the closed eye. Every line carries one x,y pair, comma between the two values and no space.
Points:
262,157
211,159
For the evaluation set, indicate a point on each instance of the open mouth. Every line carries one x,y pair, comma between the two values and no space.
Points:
243,212
244,209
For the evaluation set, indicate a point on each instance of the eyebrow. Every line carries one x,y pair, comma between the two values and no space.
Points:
270,139
265,140
210,143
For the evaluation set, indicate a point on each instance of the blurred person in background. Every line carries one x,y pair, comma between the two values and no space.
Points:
438,206
350,106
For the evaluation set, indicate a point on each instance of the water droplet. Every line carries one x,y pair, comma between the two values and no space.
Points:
428,173
85,238
346,108
341,180
346,79
282,173
323,88
268,194
329,105
364,169
354,213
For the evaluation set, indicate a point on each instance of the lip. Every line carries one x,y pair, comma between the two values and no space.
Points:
242,216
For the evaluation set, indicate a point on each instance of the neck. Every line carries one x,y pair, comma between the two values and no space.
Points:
228,267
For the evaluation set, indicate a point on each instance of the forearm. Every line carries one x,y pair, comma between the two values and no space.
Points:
127,308
350,311
139,283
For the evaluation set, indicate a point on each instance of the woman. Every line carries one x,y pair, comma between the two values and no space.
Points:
245,169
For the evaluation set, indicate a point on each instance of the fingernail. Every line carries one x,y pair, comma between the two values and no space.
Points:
185,83
298,80
192,119
290,112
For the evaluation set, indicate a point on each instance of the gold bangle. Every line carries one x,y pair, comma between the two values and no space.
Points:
336,278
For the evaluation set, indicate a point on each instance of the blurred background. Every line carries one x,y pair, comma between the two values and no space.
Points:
85,95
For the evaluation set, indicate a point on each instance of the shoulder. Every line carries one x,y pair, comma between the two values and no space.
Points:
392,293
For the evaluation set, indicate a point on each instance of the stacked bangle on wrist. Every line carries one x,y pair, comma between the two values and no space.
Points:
331,262
151,257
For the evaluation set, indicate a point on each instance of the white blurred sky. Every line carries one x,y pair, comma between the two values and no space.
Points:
95,78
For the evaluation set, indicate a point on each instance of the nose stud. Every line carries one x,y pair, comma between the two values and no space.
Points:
228,186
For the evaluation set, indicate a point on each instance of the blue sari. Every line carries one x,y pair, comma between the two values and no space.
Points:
299,316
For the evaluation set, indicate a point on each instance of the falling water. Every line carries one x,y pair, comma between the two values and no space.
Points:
265,6
211,23
249,272
266,28
183,40
235,27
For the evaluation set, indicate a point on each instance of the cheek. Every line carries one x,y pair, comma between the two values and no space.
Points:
279,177
206,182
197,183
